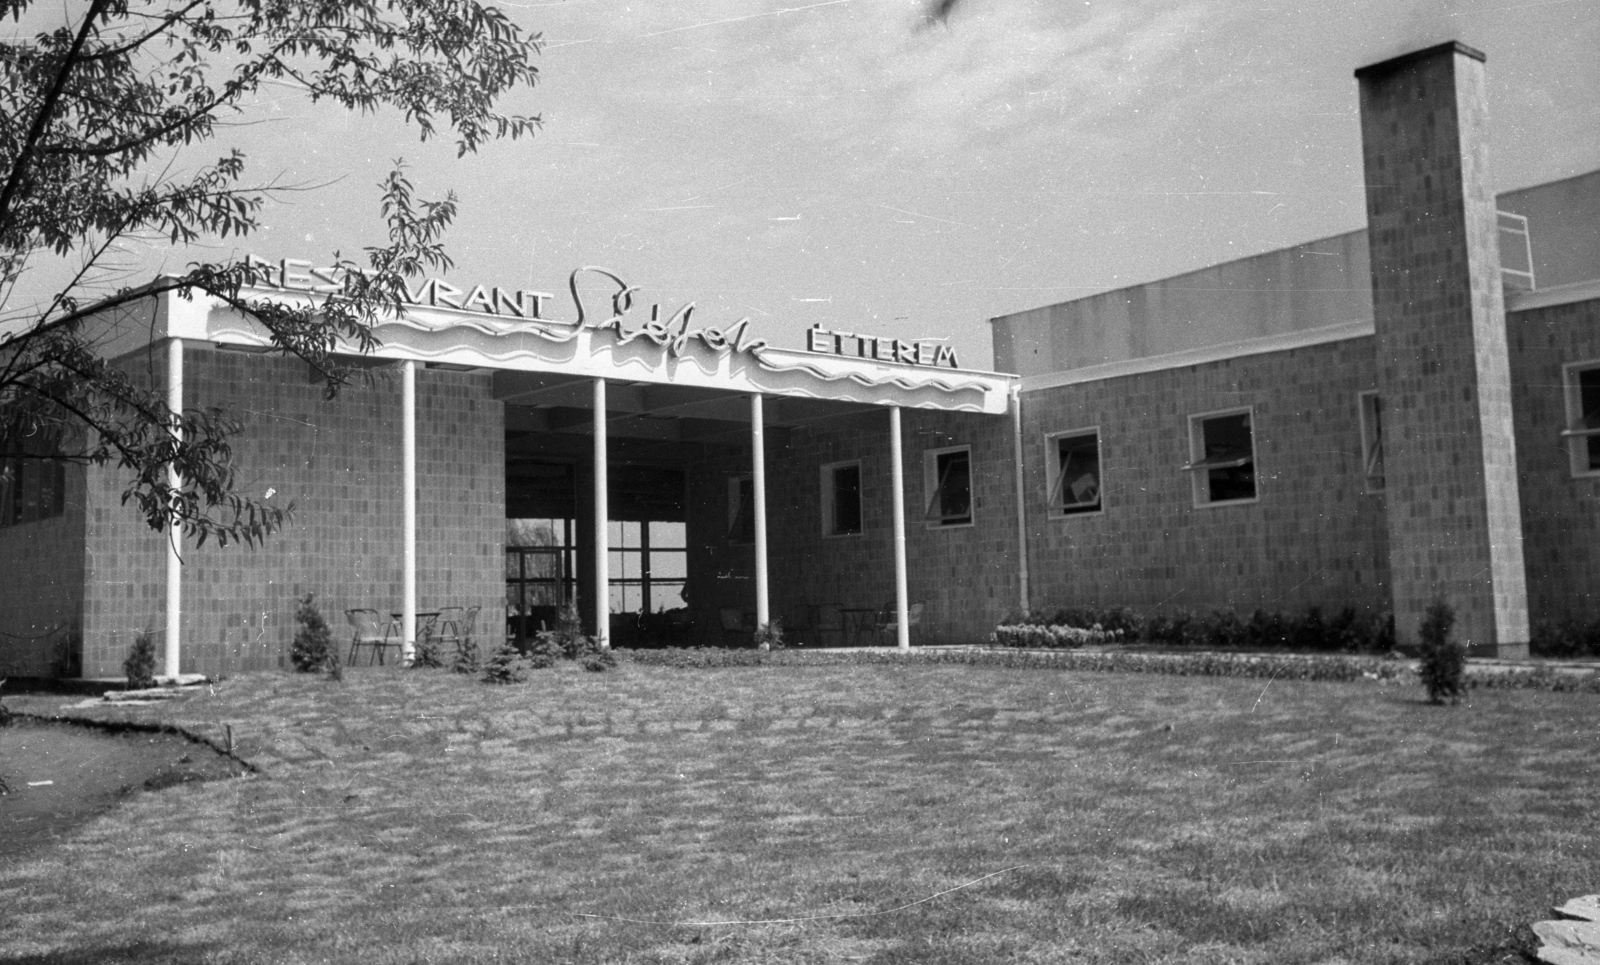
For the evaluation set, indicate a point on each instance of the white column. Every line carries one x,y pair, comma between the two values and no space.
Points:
1022,499
174,533
602,548
758,486
408,418
902,606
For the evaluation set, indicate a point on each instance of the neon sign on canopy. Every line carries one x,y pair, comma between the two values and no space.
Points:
672,335
882,349
296,274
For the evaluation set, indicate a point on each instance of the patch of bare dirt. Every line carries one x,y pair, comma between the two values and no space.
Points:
58,776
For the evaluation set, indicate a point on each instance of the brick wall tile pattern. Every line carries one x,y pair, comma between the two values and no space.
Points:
338,462
1312,537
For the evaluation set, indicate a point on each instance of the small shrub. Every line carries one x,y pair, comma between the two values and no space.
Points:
1565,638
140,666
1310,632
1345,632
545,649
1158,629
466,660
769,636
506,665
1269,631
595,658
425,655
1221,630
567,641
313,649
1444,660
569,635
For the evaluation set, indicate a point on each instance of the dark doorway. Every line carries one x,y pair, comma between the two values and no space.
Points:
550,537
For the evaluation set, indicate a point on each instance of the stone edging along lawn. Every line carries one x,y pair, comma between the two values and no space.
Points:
121,726
1279,666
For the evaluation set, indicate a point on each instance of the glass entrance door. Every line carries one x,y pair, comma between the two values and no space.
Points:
540,574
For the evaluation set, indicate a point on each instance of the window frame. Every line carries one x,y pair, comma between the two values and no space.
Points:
830,528
33,489
930,487
1574,433
1371,422
1054,477
1199,475
647,556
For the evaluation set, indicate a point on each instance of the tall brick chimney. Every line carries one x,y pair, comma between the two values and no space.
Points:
1455,525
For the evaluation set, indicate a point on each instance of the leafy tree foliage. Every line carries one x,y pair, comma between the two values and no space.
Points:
103,104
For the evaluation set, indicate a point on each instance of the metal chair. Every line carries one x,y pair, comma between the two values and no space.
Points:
889,623
447,626
830,619
466,627
427,626
798,624
371,631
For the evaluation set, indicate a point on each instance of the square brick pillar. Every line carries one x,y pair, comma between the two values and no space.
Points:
1455,523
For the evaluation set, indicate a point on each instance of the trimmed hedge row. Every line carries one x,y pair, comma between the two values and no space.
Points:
1271,666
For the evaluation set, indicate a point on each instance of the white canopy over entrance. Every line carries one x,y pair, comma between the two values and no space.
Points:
636,372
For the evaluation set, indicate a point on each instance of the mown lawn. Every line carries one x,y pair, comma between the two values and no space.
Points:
914,814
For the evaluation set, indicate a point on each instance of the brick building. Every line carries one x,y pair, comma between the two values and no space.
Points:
1374,419
514,433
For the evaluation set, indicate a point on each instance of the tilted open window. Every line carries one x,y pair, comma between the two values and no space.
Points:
1073,472
1222,457
1582,384
1372,441
947,481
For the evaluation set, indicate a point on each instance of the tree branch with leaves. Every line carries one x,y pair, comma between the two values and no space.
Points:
118,89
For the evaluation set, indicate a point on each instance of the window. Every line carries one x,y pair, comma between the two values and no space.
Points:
648,565
841,499
1582,382
1372,440
31,488
1222,457
1073,472
540,574
947,480
741,509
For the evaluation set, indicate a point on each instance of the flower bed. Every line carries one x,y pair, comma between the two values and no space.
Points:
1033,637
1343,631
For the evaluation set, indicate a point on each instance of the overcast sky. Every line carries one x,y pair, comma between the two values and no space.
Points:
826,161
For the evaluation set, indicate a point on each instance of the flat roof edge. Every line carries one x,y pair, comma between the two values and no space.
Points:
1578,291
1201,356
1166,279
1393,64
